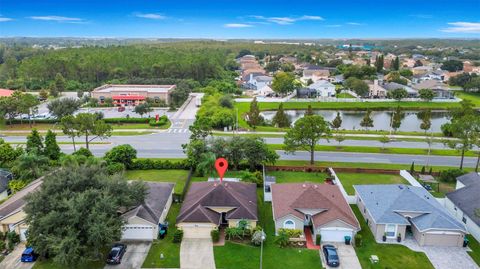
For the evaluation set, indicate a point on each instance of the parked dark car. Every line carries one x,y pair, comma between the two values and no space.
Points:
121,108
427,187
116,254
29,255
331,255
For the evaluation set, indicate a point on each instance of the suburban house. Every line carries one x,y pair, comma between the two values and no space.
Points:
464,202
323,88
214,204
132,95
6,93
260,81
314,75
264,91
399,210
313,208
390,86
441,90
12,216
5,178
142,222
375,90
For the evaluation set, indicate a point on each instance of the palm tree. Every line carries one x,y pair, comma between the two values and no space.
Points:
206,166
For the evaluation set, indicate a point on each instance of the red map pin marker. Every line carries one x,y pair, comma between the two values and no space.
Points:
221,165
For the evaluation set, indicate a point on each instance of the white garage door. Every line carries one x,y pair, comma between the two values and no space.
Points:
196,231
23,234
138,232
335,234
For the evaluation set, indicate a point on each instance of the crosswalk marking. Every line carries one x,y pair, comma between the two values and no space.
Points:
177,130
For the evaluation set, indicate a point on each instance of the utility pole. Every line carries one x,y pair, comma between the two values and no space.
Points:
261,249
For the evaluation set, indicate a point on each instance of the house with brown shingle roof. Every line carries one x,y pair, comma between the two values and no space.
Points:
210,205
313,208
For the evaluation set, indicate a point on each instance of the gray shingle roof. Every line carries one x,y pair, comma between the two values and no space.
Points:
385,202
466,198
154,203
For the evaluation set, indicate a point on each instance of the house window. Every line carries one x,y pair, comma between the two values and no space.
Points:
391,230
289,224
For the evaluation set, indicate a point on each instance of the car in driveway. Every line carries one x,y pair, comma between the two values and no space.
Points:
29,255
116,253
331,255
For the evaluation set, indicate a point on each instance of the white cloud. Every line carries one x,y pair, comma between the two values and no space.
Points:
237,25
355,23
334,25
287,20
4,19
152,16
463,27
57,18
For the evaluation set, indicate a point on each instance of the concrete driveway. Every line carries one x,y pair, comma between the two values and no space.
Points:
196,253
134,257
12,260
444,257
347,255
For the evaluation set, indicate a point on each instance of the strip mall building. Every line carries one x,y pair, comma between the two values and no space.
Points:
132,95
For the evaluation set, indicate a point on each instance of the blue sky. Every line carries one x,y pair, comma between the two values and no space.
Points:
240,19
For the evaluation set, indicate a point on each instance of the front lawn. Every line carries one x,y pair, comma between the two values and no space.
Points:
170,250
475,247
179,177
240,256
297,177
350,179
391,256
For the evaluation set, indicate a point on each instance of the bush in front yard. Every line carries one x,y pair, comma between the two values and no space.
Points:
318,239
115,168
177,236
358,240
2,245
258,237
450,175
13,237
282,239
291,233
215,235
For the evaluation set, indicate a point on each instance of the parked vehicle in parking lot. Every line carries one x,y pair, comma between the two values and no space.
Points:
116,253
29,255
331,255
121,108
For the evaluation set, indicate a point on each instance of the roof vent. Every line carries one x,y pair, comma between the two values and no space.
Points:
304,185
214,184
315,186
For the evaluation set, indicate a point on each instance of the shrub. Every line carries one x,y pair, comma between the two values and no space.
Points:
177,236
292,233
121,154
215,235
255,177
318,239
257,237
161,121
146,164
83,152
114,168
358,240
450,175
282,239
423,170
13,238
2,245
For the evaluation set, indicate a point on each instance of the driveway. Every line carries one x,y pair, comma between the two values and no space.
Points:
196,253
444,257
134,257
12,260
347,255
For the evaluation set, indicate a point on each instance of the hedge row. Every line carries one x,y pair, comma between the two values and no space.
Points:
146,164
161,121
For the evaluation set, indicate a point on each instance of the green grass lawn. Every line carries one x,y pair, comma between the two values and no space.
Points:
350,179
473,96
170,250
439,190
363,149
475,246
297,177
241,256
179,177
390,255
344,95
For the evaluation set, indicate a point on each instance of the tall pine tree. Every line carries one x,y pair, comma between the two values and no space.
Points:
337,122
52,150
254,117
367,120
309,111
34,142
281,119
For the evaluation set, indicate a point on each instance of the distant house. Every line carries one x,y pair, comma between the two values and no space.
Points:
464,202
376,90
317,208
264,91
323,88
441,90
12,216
314,75
306,93
142,221
288,59
338,79
6,93
5,178
209,205
390,86
261,81
399,210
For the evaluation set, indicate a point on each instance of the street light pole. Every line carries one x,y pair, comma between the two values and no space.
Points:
261,250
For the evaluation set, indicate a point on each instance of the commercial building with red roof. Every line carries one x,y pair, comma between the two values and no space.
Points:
132,95
6,93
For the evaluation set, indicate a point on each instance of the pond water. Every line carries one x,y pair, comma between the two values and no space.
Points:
381,119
